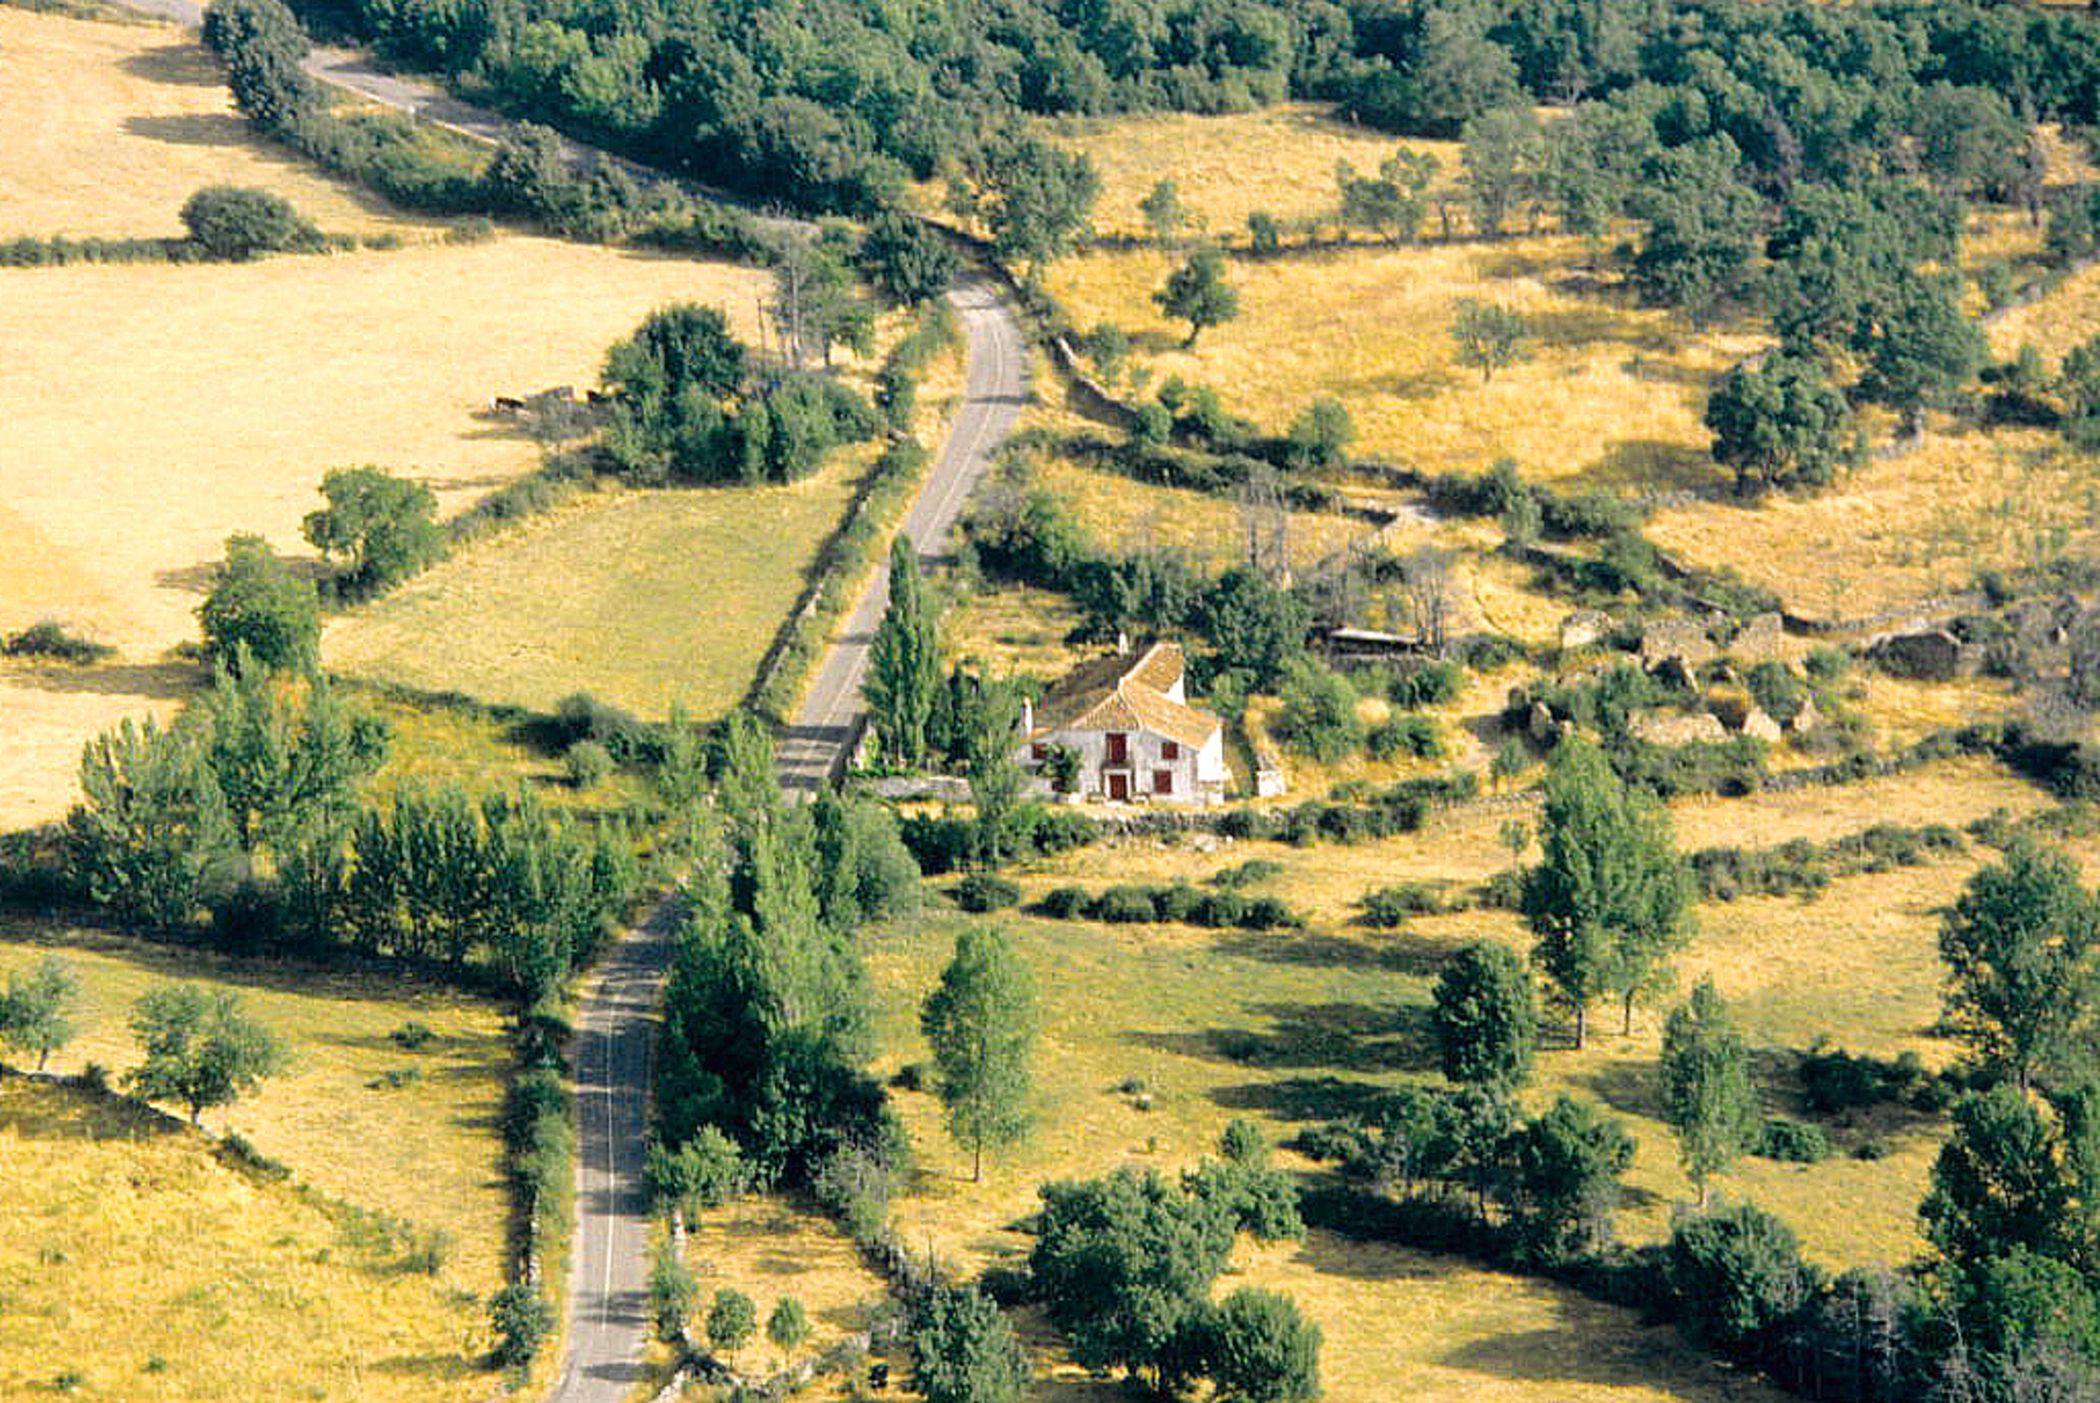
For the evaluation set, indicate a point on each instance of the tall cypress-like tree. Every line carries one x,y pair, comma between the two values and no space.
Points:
981,1020
1609,901
1708,1096
904,664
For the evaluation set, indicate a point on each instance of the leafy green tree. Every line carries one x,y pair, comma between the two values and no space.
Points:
1704,226
673,1289
904,257
1564,1169
707,1171
1257,1348
1609,899
817,304
1593,163
256,602
1779,424
1198,294
904,661
2001,1183
1708,1095
1504,150
1921,348
731,1321
2018,947
384,527
964,1351
1970,141
523,1319
150,838
788,1326
529,175
1739,1274
1254,624
981,1023
264,48
1490,337
1837,252
200,1048
234,223
287,759
1123,1263
1164,214
1485,1014
34,1011
670,381
1393,203
1320,436
1318,718
1034,197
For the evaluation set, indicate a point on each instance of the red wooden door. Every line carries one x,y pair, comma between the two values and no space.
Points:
1119,786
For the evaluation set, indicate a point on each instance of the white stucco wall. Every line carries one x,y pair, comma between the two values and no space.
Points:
1197,775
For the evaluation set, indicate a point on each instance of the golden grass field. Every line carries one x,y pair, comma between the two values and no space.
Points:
1612,396
109,1289
427,1151
1279,161
640,598
148,121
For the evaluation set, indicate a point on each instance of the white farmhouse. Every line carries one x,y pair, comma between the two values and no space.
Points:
1127,717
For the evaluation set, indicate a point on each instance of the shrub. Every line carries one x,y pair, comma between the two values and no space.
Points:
1177,901
1318,718
1432,684
412,1036
1737,1274
589,764
523,1319
986,891
1252,872
1793,1141
1836,1080
1388,907
1404,735
1267,913
48,639
1064,903
1124,905
235,223
1221,909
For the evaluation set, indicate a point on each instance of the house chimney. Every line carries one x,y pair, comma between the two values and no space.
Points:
1122,644
1027,718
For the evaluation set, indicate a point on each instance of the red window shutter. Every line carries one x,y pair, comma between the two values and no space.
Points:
1169,750
1162,781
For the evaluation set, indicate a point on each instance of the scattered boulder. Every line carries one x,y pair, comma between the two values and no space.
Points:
1585,628
1807,720
1927,655
1539,724
1676,674
1760,724
1680,729
1679,640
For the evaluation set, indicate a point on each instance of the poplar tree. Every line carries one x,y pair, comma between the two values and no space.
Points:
981,1021
1708,1096
904,665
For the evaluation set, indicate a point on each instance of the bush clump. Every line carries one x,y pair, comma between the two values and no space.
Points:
986,891
1793,1142
235,223
48,639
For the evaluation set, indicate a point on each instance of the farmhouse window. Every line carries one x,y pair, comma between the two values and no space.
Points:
1162,781
1169,750
1118,748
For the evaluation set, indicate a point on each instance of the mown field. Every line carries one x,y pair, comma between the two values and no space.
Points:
640,598
136,1265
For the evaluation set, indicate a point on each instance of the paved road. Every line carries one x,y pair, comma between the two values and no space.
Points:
814,749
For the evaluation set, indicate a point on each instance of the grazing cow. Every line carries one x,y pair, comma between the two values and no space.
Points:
506,404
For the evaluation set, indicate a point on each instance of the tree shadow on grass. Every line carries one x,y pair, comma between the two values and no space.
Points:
1656,465
1401,951
1557,1355
1344,1036
191,129
184,65
174,681
1304,1098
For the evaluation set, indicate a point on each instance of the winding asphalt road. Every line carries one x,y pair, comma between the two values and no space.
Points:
616,1026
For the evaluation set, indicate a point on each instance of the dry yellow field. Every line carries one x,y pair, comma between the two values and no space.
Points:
1279,161
640,598
138,442
109,1289
427,1151
1902,528
1611,397
111,127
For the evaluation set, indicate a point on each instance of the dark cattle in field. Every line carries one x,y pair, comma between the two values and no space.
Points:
506,404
